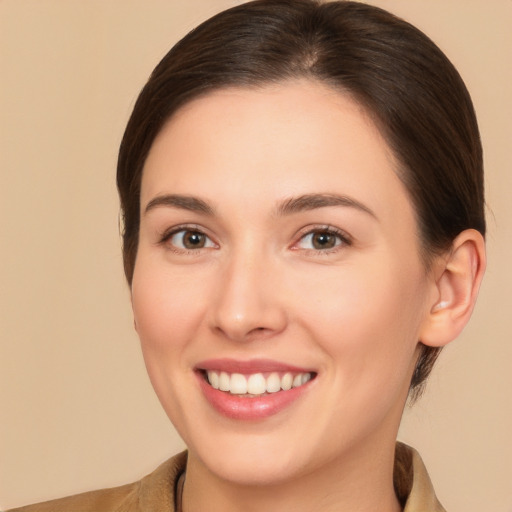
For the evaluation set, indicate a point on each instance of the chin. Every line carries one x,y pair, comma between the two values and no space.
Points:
248,468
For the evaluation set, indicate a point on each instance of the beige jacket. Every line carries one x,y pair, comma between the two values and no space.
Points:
157,491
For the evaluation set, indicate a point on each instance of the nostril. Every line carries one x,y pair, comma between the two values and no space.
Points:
258,330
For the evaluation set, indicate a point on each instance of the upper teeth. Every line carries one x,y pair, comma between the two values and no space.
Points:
256,383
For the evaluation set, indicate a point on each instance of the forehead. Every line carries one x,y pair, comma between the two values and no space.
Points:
272,142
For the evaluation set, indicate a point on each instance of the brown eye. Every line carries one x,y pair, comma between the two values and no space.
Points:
190,240
322,240
193,240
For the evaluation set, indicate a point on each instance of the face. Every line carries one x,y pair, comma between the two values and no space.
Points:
278,289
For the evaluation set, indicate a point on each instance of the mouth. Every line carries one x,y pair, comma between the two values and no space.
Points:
256,384
252,390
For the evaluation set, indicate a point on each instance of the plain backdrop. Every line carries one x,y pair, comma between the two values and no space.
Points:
77,411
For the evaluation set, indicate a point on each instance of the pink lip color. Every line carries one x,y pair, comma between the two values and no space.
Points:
248,367
245,408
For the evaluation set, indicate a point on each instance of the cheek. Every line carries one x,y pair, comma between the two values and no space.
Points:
367,322
167,311
166,308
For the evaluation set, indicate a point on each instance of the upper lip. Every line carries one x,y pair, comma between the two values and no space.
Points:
249,367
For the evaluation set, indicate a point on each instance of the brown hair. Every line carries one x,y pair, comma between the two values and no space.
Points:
413,92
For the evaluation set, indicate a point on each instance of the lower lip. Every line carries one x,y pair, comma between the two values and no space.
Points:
240,407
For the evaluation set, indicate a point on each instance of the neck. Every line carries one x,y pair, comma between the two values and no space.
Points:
360,481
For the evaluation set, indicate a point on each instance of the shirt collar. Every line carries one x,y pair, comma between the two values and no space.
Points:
412,483
421,496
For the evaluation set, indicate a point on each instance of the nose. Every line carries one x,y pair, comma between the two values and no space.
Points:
249,304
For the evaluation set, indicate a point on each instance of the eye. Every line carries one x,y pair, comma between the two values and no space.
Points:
189,239
322,240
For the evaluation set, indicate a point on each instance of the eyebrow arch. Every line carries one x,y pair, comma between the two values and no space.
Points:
313,201
189,203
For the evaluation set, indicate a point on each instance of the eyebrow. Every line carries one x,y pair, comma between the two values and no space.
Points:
190,203
288,207
313,201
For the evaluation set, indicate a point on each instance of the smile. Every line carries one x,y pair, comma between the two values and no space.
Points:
252,390
256,384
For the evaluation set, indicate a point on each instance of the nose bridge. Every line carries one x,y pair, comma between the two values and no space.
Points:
248,302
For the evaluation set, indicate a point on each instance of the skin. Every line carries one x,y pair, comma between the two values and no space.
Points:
259,288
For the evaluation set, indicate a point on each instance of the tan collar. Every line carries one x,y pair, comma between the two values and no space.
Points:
421,496
412,483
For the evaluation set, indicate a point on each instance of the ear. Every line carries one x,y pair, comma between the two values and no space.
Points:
456,280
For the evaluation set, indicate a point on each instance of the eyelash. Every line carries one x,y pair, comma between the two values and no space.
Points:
343,239
169,234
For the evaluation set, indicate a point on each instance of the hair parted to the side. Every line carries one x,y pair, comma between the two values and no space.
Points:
409,87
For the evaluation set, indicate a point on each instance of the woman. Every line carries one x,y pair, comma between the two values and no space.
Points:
302,193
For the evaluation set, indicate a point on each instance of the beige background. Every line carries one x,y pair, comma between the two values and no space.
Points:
77,410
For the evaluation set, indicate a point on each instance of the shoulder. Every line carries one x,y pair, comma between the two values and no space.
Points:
155,492
114,499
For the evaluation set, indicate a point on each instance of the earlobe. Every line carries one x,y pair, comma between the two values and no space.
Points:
459,275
